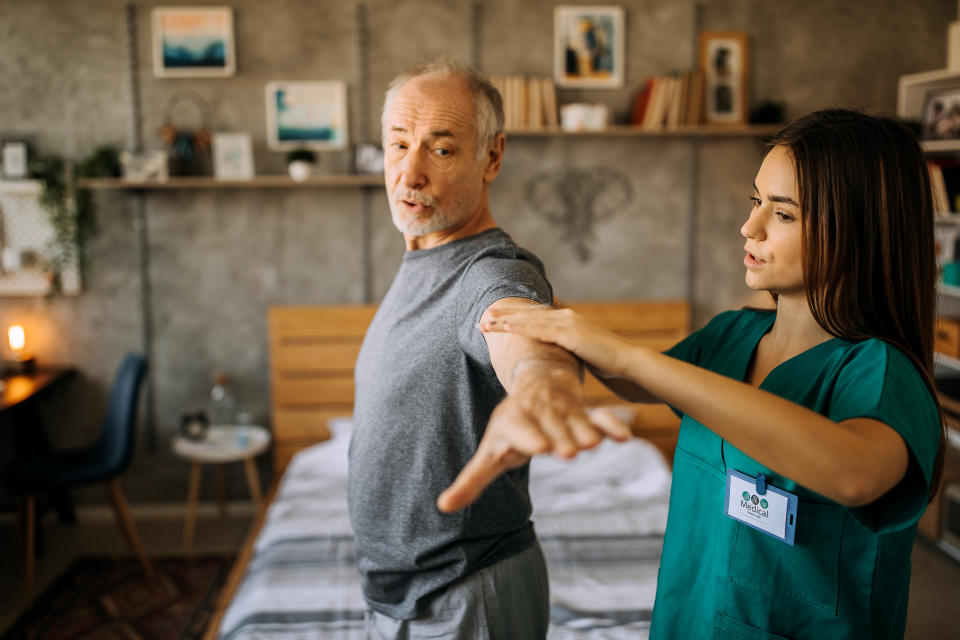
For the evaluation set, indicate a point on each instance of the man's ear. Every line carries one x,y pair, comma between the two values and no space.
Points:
494,157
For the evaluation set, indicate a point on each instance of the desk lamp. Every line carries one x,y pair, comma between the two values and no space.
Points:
22,361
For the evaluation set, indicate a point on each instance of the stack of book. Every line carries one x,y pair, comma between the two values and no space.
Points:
528,102
669,102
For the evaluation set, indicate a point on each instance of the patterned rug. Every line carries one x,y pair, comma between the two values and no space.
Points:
101,598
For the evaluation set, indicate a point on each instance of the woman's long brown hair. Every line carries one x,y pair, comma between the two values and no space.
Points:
868,243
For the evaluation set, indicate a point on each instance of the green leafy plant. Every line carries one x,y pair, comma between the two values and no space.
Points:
71,210
305,155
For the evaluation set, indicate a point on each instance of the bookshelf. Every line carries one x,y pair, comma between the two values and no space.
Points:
941,146
913,92
665,106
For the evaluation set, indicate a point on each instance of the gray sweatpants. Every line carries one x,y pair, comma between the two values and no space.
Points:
506,601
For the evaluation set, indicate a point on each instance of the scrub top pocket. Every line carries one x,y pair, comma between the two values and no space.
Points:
807,572
726,628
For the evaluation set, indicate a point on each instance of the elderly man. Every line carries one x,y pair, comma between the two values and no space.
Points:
428,381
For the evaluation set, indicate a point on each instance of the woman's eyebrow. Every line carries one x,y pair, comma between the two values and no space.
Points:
776,198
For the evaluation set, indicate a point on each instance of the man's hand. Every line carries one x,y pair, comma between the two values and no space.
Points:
543,413
513,436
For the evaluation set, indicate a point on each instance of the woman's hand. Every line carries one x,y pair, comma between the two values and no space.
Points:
605,352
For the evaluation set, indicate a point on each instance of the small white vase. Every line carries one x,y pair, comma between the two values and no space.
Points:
300,170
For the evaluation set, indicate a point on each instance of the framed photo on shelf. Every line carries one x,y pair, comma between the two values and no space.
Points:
588,46
725,61
144,165
941,114
233,156
193,42
14,156
307,114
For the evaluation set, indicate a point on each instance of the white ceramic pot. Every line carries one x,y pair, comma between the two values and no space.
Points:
300,170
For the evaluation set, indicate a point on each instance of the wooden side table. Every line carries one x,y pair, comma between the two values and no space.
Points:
223,444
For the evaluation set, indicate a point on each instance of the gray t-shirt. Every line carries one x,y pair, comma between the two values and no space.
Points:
425,389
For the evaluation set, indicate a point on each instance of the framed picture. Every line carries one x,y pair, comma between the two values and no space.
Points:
28,246
725,60
13,159
588,46
143,166
307,114
232,156
193,42
941,114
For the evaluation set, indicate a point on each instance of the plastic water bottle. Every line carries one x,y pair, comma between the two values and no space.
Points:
223,403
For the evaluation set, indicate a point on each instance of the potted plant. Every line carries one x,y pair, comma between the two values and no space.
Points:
71,209
300,164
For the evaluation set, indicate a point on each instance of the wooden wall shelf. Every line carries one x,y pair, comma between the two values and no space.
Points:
940,146
258,182
376,180
715,131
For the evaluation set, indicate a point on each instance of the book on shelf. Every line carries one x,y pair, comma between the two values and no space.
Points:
694,111
528,102
678,110
521,91
941,200
945,183
653,118
534,106
670,101
549,101
640,103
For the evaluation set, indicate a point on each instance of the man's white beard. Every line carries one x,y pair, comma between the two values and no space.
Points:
421,226
440,218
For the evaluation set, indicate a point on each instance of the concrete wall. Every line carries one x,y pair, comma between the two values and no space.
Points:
220,258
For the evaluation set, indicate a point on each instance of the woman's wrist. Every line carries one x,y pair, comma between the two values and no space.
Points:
637,360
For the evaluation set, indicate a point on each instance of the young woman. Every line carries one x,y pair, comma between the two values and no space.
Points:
828,399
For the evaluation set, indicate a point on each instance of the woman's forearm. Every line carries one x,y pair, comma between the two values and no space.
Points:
841,461
626,389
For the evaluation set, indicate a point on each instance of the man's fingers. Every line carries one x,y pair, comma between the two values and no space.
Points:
561,441
610,424
586,435
483,468
495,455
523,435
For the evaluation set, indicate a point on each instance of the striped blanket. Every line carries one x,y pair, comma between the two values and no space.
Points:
600,520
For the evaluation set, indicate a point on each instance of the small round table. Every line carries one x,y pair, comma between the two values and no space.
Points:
222,444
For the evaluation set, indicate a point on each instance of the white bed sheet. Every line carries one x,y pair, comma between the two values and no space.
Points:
600,518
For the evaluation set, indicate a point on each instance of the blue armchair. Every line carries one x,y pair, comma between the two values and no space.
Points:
102,461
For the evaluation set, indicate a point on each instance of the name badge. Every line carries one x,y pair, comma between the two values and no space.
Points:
761,506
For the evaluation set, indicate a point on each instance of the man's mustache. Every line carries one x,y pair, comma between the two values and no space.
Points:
415,196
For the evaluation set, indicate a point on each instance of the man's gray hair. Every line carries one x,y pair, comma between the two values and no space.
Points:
488,105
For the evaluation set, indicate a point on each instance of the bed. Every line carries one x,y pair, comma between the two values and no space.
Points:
600,518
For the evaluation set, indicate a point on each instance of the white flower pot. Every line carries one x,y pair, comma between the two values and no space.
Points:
300,170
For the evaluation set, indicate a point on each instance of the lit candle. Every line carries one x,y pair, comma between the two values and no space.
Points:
17,339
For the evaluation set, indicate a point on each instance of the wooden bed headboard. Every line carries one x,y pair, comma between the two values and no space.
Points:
313,350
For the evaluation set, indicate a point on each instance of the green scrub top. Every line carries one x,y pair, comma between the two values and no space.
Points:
848,573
